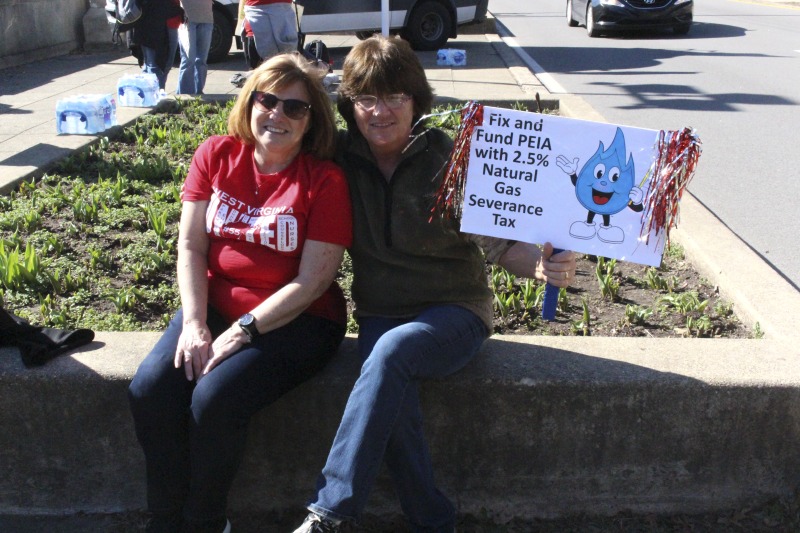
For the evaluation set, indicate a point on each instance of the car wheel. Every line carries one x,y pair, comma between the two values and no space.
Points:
428,26
221,38
682,29
591,28
571,22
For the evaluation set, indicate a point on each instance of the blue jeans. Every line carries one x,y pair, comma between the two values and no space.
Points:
151,58
193,434
194,39
383,420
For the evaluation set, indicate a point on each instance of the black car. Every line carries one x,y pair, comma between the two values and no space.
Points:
602,16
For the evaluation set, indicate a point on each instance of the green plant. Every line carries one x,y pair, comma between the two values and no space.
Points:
675,251
656,281
683,303
125,299
723,309
609,286
637,315
583,326
18,269
698,326
97,258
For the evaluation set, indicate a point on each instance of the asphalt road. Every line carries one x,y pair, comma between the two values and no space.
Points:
734,78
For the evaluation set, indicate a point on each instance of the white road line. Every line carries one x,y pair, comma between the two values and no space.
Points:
547,80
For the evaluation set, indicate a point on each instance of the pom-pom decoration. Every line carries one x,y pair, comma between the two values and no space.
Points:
674,165
450,196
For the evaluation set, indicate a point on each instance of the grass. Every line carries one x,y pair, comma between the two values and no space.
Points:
92,244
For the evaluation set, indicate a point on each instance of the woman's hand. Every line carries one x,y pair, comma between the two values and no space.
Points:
530,261
224,346
556,269
193,348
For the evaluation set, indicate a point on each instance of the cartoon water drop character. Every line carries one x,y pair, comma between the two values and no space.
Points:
604,186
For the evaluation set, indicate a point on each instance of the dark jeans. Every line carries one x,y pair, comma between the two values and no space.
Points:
382,421
193,434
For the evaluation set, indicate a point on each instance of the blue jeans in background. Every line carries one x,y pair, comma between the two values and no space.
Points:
194,39
383,420
151,58
193,433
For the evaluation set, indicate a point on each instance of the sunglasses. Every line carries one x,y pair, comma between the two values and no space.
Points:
294,109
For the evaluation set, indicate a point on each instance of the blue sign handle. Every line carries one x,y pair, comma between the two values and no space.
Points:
550,300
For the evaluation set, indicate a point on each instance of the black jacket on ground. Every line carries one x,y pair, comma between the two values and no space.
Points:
36,344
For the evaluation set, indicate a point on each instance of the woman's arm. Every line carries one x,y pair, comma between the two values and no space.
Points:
195,339
319,264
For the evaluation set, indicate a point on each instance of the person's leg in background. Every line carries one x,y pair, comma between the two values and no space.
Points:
203,41
172,50
194,40
151,65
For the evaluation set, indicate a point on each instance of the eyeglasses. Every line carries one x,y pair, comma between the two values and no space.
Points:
294,109
367,102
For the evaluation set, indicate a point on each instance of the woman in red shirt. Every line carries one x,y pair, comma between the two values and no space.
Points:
265,221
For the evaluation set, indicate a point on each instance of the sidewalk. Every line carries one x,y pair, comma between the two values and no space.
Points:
28,93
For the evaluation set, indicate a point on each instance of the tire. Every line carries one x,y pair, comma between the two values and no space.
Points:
682,29
363,35
591,27
428,27
221,38
571,22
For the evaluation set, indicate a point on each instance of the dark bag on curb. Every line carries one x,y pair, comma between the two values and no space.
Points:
317,51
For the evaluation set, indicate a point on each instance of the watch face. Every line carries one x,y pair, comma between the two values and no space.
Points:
246,319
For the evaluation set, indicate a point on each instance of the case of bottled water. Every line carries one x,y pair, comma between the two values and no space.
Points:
86,114
451,57
138,90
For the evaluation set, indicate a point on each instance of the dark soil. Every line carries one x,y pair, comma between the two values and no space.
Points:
607,314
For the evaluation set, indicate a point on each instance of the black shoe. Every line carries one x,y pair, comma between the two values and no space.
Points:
314,523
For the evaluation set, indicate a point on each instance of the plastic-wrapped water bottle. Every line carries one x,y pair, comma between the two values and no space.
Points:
85,114
138,90
451,57
109,111
71,116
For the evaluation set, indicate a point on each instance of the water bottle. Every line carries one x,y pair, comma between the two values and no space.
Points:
138,90
71,116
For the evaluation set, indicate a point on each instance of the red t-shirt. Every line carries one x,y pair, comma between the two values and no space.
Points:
175,22
257,223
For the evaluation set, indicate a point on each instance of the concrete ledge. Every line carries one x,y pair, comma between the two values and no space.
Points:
553,426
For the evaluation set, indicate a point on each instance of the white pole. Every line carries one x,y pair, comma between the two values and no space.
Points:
385,17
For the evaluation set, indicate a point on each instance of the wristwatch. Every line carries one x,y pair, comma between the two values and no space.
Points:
248,324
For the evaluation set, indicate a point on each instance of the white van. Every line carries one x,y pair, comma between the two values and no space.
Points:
426,24
226,15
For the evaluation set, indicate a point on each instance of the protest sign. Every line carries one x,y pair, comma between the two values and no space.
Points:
581,185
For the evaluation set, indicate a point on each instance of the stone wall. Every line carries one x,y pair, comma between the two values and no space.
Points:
37,29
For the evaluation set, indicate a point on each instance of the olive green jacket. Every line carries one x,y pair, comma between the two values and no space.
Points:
403,260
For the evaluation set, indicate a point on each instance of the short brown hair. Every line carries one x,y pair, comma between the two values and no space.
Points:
274,74
380,66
